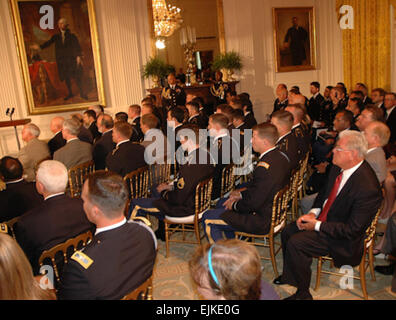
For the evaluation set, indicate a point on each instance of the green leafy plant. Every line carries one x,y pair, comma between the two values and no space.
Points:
155,67
229,60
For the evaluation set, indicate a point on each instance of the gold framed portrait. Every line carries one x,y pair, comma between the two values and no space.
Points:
58,51
294,39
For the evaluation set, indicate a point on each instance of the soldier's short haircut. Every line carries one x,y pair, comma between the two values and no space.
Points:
73,126
107,121
108,191
193,104
268,132
177,113
238,114
90,114
10,168
150,120
124,129
121,116
226,110
220,119
297,111
284,117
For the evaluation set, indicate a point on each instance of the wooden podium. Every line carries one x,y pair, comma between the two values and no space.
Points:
15,123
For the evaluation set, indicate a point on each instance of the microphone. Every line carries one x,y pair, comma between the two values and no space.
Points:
12,111
8,111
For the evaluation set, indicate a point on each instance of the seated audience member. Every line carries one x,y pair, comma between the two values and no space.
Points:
363,88
175,123
226,110
195,117
178,199
281,101
84,134
33,152
236,103
250,209
148,107
378,97
390,115
75,151
19,195
57,140
229,270
89,118
368,115
388,247
247,108
238,121
223,149
105,144
377,135
302,135
230,94
287,142
316,102
16,276
134,120
203,112
336,96
127,156
56,220
120,256
355,106
98,109
336,225
121,116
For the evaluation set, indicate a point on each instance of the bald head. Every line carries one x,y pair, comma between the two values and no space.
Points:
56,124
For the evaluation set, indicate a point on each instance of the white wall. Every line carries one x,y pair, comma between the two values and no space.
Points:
249,30
124,45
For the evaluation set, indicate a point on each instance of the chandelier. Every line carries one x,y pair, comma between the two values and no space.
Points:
166,19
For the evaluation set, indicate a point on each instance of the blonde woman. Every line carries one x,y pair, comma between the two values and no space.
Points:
16,275
229,270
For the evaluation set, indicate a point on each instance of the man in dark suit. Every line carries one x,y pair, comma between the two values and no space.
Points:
57,140
363,88
89,118
281,101
68,57
378,96
341,213
315,103
57,219
19,196
250,209
390,115
121,255
84,134
175,124
105,144
194,115
173,95
127,156
134,120
203,112
247,108
287,142
178,199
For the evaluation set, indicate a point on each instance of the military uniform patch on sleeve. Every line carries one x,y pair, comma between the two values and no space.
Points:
263,164
181,183
82,259
3,228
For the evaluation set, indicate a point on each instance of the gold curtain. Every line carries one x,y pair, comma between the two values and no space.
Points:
367,47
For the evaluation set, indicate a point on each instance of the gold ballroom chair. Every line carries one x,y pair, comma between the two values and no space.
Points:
77,177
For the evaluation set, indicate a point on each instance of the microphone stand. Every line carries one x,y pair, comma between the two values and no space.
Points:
10,113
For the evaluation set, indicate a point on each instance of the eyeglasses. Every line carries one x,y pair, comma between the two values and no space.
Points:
339,149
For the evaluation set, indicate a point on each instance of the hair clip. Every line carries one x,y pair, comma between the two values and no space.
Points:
212,273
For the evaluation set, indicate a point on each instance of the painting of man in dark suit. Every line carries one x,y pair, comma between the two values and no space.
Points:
294,39
59,54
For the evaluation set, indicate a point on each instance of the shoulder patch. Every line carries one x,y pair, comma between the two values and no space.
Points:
82,259
263,164
181,183
3,228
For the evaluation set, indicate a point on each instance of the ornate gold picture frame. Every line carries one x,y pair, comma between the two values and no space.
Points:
294,39
58,49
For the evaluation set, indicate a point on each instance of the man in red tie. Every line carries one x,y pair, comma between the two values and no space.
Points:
337,222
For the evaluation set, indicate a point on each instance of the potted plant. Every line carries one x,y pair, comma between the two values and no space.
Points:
156,69
228,62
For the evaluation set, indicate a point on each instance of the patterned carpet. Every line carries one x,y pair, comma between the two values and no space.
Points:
172,280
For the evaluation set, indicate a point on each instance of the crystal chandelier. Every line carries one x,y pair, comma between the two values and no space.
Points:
166,19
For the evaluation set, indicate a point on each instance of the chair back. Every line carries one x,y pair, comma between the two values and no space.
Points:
77,176
59,255
138,183
10,224
370,232
279,210
143,292
227,180
160,173
203,195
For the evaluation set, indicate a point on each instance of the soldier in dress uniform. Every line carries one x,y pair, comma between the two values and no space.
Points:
287,143
127,155
134,120
195,116
219,89
302,136
250,209
178,198
121,255
223,149
173,95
